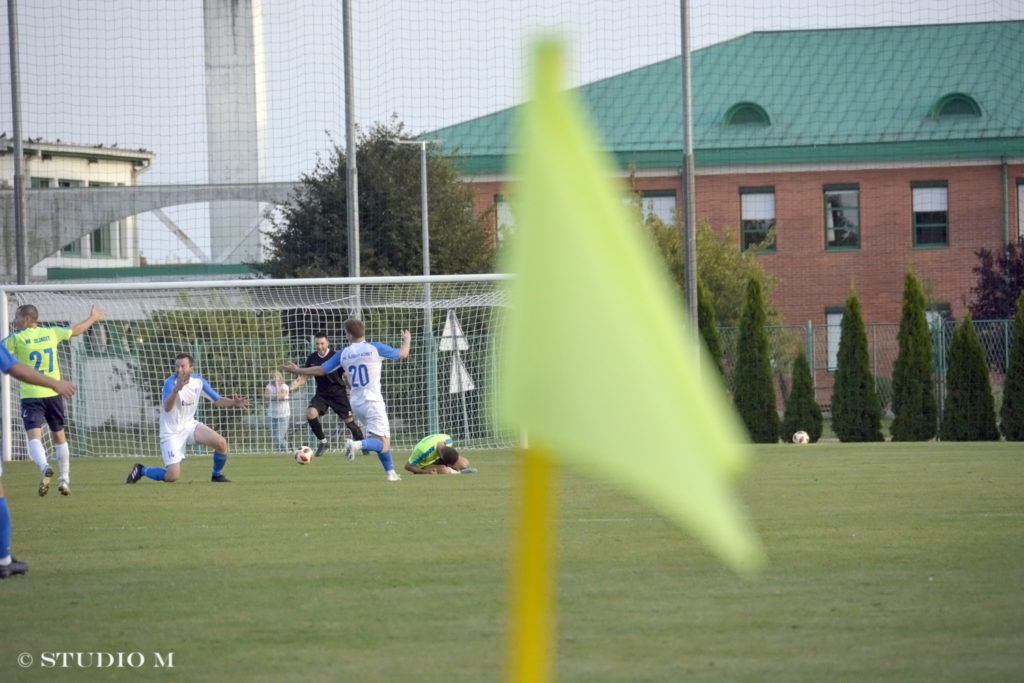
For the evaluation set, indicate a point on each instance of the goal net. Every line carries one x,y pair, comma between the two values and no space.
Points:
239,332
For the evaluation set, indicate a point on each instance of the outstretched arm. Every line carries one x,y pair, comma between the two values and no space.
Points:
233,402
313,370
403,352
95,315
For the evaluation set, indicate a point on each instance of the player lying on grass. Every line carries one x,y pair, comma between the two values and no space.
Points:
10,365
435,454
179,426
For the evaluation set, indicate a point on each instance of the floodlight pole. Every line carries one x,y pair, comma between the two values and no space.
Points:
428,328
20,241
689,212
351,172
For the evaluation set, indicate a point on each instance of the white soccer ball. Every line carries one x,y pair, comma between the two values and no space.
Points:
304,455
801,436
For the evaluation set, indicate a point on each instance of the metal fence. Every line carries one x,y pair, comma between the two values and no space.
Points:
821,344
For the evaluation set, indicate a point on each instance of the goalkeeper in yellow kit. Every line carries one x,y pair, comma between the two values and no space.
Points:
435,454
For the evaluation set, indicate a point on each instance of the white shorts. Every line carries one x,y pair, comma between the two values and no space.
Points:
374,418
172,446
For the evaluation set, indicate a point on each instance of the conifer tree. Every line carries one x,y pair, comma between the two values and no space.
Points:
707,322
913,384
1012,411
802,409
969,413
754,392
856,410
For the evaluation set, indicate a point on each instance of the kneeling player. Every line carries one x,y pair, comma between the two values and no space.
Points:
435,454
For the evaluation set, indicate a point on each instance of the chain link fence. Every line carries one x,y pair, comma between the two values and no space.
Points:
821,344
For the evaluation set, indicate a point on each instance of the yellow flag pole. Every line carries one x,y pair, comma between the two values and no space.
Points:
531,627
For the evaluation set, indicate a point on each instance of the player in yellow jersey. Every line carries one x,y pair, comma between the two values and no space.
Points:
36,347
9,566
435,454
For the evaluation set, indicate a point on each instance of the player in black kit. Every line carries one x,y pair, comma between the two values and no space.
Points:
331,394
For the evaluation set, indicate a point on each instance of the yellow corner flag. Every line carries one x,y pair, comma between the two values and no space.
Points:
594,336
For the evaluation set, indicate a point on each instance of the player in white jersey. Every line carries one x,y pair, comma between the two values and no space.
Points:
179,427
362,360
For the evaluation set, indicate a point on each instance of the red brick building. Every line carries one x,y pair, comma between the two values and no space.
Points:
867,150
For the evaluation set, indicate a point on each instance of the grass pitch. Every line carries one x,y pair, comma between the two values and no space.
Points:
887,562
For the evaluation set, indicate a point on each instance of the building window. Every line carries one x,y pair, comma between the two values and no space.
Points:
833,330
757,217
842,217
71,248
506,220
659,203
102,240
937,314
955,105
99,242
37,183
931,214
747,114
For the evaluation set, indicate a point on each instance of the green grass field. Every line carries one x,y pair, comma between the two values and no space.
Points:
887,562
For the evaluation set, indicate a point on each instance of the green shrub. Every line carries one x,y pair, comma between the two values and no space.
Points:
915,410
856,411
754,392
1012,411
802,409
969,413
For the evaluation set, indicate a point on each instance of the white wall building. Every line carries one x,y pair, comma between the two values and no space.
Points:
63,165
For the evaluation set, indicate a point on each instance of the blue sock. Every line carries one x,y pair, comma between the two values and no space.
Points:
218,463
5,528
385,460
156,473
373,445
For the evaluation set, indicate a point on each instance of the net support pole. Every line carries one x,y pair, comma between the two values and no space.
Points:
428,333
351,171
20,241
689,201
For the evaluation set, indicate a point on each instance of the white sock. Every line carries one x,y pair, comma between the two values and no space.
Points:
4,561
37,453
63,453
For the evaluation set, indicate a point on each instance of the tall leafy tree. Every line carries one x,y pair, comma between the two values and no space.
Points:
856,410
1012,411
802,409
310,235
969,413
913,384
725,270
1000,282
754,392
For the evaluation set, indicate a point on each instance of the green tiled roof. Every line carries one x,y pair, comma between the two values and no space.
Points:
832,95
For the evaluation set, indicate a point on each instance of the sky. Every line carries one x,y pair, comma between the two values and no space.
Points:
132,73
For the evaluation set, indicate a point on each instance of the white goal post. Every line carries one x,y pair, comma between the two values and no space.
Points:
239,331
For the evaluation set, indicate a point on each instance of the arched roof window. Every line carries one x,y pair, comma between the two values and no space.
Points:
747,114
955,104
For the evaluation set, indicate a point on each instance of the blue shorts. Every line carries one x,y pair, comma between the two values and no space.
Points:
36,411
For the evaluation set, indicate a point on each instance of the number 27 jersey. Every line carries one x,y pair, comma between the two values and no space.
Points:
37,348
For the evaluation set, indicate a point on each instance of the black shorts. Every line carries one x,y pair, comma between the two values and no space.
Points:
36,411
339,404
